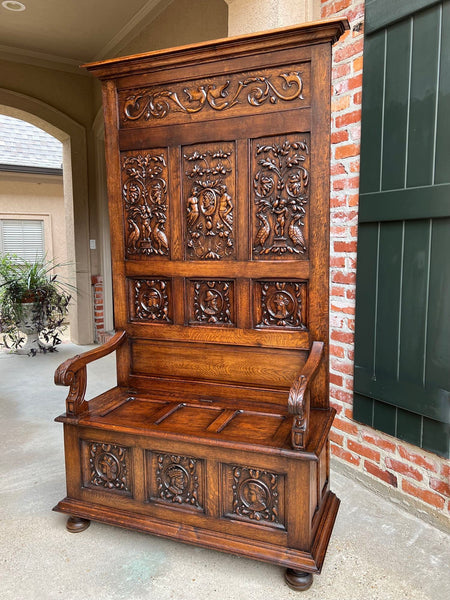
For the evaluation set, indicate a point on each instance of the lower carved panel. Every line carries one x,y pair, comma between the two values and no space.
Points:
280,304
176,480
253,495
211,302
150,300
107,467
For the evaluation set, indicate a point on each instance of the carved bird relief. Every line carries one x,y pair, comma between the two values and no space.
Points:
280,186
134,234
263,231
160,238
144,194
295,232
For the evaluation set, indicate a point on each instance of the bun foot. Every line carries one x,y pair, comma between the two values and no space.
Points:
77,524
299,581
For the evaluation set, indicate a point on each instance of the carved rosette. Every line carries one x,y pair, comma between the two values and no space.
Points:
212,302
144,194
255,494
281,190
209,205
253,89
177,480
281,304
108,466
150,300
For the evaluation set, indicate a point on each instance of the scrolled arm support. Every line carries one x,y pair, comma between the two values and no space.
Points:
299,397
73,373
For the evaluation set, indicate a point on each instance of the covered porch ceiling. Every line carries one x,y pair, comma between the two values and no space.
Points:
72,31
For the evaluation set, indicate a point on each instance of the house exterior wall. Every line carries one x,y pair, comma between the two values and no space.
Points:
33,196
416,478
182,22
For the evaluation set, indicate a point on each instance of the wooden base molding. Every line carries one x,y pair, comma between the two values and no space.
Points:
284,557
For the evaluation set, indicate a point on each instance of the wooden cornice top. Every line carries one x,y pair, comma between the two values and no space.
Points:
316,32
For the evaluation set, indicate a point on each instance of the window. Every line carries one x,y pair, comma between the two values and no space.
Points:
24,237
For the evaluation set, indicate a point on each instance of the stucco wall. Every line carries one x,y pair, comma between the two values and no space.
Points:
38,197
182,22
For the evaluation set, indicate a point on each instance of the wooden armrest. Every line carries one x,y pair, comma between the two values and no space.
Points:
73,372
299,397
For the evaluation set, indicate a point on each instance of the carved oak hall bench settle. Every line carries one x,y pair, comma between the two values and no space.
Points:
218,181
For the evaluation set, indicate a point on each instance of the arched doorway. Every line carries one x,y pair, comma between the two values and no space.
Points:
75,185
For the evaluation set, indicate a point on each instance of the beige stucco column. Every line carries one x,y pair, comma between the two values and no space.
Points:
248,16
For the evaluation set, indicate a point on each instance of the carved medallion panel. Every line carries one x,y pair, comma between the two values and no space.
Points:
209,200
145,202
280,304
280,196
150,300
254,495
176,480
211,302
248,93
107,467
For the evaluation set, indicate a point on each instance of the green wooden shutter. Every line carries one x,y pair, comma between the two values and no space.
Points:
402,334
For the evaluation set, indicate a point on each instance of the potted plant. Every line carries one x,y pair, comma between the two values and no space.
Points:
32,302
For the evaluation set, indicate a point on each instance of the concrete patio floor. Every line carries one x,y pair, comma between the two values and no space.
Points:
377,551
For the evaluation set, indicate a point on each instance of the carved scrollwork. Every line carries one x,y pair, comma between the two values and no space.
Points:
151,103
280,304
144,193
177,480
108,466
255,494
299,400
212,302
209,205
151,300
280,186
299,407
75,401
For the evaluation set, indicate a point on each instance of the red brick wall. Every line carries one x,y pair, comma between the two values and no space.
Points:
414,472
99,321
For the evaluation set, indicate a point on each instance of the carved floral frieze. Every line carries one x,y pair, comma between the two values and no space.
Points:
144,194
209,204
280,195
252,89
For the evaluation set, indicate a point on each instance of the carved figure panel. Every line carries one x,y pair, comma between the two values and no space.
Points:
108,467
254,494
211,302
151,300
280,188
145,200
176,480
209,204
280,304
242,93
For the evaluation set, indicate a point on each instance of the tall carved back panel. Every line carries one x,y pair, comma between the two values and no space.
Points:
217,158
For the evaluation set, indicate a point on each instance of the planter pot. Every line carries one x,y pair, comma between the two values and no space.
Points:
29,326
